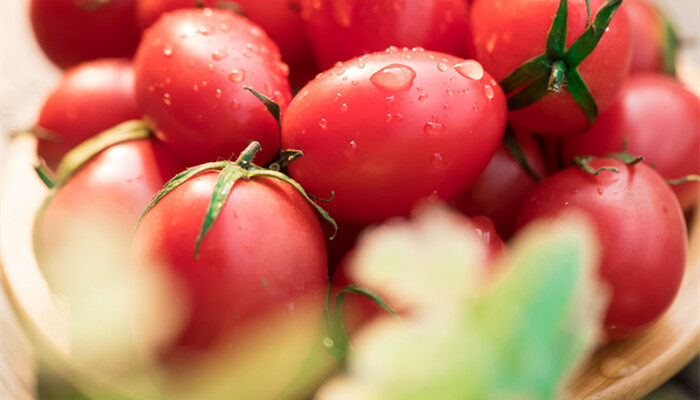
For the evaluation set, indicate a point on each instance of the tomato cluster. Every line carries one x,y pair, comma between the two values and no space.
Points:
511,111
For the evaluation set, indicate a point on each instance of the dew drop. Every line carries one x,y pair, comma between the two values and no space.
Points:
438,161
470,69
394,77
236,75
323,123
344,107
488,92
390,99
235,105
167,100
442,67
450,92
446,107
168,50
218,94
433,128
351,149
422,97
219,55
207,12
210,67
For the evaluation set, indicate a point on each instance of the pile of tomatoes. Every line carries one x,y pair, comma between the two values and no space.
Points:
509,111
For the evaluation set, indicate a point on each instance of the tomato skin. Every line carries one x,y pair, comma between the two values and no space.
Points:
341,30
667,136
264,252
112,188
641,230
510,32
500,190
648,36
358,310
69,34
91,97
281,20
382,149
190,69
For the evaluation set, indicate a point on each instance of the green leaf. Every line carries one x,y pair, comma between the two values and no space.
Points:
580,92
270,104
670,48
178,180
556,38
300,189
531,94
73,160
583,163
516,151
587,42
626,158
526,73
227,178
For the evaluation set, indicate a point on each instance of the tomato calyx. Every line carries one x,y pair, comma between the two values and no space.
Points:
583,162
557,68
516,151
682,180
337,343
230,172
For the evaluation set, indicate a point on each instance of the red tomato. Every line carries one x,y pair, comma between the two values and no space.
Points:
660,119
500,190
264,253
649,36
508,33
190,69
90,98
641,230
358,309
281,20
112,188
340,30
72,31
390,129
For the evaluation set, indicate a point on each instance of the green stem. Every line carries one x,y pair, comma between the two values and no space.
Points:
556,77
45,175
247,155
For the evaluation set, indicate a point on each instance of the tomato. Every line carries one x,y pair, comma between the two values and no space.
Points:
508,33
281,20
358,310
650,37
641,230
264,253
110,190
500,190
72,31
668,136
340,30
89,99
190,69
390,129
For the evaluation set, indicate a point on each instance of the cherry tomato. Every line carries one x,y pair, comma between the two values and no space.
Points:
281,20
390,129
264,253
190,69
508,33
641,231
660,120
358,310
500,190
72,31
340,30
650,36
110,190
90,98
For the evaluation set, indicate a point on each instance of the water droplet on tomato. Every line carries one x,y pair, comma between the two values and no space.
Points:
450,92
442,67
394,77
236,75
438,161
168,50
470,69
344,107
166,99
323,123
207,12
422,97
488,92
446,107
210,67
218,94
433,128
235,105
351,149
219,55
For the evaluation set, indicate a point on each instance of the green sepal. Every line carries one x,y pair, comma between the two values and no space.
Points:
227,178
670,49
531,94
74,159
45,175
588,12
680,181
178,180
583,96
583,163
328,200
285,158
525,73
270,104
516,151
339,342
556,38
278,175
587,42
626,157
